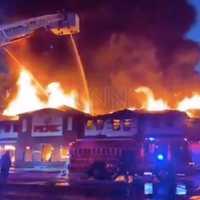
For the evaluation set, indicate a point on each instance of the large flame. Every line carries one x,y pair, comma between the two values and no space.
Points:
151,103
189,103
87,107
57,97
27,98
29,91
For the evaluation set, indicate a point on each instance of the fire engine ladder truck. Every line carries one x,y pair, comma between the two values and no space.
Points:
59,24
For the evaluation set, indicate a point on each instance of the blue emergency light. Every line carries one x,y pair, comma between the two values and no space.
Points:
151,139
160,156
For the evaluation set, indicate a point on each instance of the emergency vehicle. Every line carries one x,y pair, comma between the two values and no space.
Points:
141,155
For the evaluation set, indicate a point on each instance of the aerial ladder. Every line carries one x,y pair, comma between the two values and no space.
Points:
59,24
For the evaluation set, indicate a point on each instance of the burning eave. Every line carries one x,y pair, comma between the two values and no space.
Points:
126,113
62,109
4,118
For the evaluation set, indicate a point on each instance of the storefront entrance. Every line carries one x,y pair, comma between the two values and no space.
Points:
8,147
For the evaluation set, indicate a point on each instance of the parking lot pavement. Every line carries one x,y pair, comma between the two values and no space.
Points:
49,185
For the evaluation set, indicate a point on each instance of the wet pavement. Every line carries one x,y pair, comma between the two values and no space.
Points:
40,186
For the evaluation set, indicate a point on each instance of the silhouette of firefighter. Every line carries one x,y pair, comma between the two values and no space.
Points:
127,163
166,176
5,165
126,166
98,170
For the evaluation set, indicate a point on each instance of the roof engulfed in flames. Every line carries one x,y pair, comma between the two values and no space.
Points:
187,104
27,98
151,103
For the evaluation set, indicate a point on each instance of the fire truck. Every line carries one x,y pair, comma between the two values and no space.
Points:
84,153
140,156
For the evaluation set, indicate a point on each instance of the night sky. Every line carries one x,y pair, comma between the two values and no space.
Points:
123,44
193,33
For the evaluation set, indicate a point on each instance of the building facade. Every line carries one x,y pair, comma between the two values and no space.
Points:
159,134
163,124
127,123
43,136
119,124
46,134
9,129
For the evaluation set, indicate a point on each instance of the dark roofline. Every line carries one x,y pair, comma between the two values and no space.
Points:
160,113
138,113
62,109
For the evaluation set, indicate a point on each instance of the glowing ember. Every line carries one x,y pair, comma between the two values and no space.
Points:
27,98
57,97
151,103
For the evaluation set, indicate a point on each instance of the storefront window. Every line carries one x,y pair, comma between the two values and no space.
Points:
116,124
64,153
28,154
99,124
127,124
90,124
47,151
36,156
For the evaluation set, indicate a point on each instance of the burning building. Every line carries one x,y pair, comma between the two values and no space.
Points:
42,136
136,58
45,135
128,123
146,137
118,124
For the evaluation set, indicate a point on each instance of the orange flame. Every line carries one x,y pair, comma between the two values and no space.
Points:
29,89
87,107
57,97
28,99
151,103
189,103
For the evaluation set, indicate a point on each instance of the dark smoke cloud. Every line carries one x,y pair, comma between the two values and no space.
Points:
124,44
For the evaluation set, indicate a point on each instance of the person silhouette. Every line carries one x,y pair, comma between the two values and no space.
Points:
166,175
5,167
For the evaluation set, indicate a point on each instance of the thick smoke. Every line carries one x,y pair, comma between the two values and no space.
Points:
124,45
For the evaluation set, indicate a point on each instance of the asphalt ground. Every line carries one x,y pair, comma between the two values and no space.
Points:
41,185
